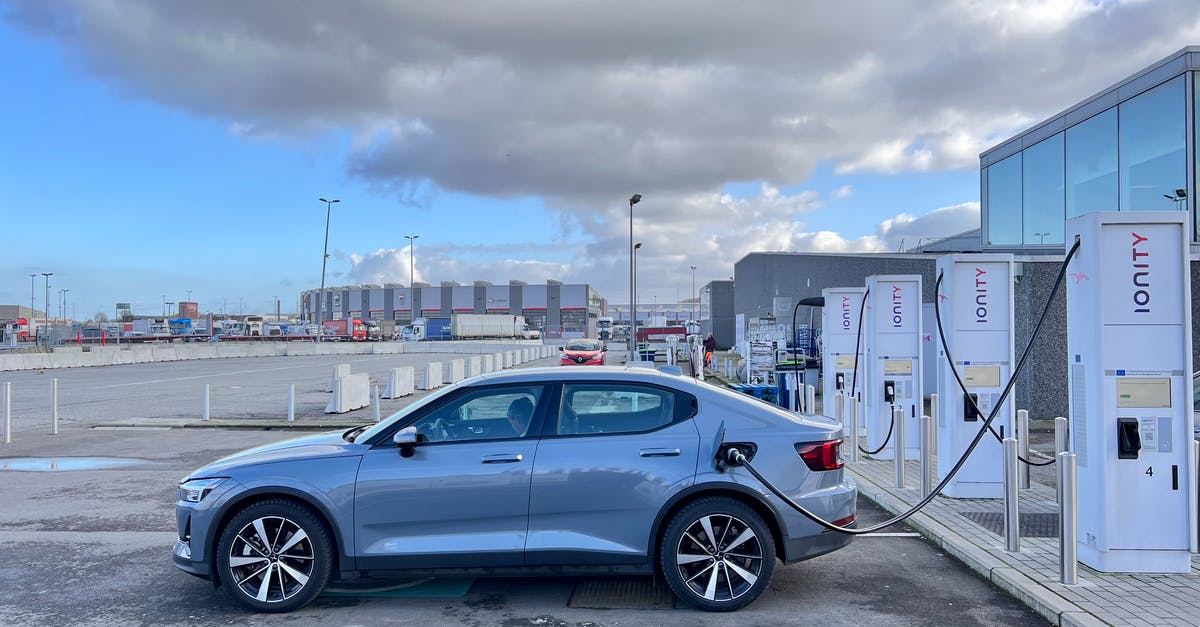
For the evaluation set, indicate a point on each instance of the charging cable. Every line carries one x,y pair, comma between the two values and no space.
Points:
735,457
937,312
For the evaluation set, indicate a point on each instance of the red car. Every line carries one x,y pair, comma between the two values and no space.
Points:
582,353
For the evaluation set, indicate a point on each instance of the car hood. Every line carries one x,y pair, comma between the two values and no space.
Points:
329,444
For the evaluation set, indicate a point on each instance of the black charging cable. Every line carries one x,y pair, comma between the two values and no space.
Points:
891,427
733,456
937,314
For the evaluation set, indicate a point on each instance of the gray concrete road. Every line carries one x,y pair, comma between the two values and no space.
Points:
92,547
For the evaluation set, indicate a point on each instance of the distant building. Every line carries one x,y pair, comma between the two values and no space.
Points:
557,309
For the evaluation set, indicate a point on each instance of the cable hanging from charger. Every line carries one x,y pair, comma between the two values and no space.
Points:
733,456
949,360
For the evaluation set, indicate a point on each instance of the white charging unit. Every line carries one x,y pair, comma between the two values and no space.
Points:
893,362
841,369
1129,353
976,305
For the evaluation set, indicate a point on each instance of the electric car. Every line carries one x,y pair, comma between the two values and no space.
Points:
582,352
541,471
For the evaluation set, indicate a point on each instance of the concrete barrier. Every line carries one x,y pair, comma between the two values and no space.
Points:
350,392
400,382
455,372
339,371
489,362
474,366
116,354
433,376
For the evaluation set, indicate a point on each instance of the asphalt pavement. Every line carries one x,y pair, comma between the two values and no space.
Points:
92,547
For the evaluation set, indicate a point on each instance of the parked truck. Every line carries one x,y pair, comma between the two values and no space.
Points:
468,327
426,330
344,330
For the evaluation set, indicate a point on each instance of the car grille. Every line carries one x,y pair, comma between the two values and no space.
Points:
579,360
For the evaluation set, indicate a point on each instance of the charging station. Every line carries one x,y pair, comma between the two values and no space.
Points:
1129,351
841,369
893,362
976,306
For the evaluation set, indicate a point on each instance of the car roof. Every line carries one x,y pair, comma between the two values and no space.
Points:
598,373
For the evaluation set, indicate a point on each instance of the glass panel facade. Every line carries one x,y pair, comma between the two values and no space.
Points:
1153,145
1131,157
1042,192
1092,165
1004,201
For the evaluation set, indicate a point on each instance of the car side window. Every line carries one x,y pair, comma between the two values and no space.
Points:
599,408
486,414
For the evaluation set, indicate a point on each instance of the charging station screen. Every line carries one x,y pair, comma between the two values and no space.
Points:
981,376
898,367
1143,392
844,361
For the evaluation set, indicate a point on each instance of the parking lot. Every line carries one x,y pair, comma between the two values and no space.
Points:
93,547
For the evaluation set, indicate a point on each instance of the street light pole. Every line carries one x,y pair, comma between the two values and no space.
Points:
633,200
46,303
693,295
633,305
411,275
32,278
324,258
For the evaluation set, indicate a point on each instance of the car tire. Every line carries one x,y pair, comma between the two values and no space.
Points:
274,556
717,554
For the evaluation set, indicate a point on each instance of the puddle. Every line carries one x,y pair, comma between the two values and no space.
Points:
54,464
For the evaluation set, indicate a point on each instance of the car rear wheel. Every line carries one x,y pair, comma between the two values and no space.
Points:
274,556
718,554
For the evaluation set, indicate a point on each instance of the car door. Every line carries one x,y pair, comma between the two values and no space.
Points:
462,498
610,457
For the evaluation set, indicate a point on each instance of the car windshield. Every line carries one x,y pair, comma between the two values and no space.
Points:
387,422
583,345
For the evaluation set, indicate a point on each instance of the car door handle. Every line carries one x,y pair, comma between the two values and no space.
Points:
659,452
503,458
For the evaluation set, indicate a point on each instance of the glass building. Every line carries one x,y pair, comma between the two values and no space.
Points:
1132,147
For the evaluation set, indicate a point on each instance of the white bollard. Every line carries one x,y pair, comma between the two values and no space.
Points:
291,402
375,400
1023,447
1068,519
1012,518
204,403
898,444
927,465
54,406
810,399
8,412
854,409
1062,435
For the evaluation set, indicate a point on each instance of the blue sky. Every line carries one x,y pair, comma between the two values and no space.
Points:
156,149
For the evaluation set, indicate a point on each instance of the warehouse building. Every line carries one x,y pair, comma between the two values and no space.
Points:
555,308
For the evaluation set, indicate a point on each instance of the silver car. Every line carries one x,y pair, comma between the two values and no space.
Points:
537,471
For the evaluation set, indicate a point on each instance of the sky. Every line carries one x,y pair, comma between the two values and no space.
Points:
154,152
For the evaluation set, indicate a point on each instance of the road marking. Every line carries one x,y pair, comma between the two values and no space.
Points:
898,534
224,374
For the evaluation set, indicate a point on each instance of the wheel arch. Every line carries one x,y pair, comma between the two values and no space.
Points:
265,493
735,491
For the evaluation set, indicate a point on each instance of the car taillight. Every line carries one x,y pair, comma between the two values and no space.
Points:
821,455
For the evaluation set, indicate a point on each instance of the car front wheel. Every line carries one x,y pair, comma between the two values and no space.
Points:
718,554
274,556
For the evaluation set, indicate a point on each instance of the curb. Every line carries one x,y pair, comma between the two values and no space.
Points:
1051,606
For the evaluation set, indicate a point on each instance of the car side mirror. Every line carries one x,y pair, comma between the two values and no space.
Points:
604,348
407,439
560,349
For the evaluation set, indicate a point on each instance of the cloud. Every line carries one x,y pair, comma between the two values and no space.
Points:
576,100
579,103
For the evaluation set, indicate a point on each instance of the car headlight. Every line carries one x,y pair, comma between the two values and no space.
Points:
195,490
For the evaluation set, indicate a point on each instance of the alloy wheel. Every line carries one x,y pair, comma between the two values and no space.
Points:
719,557
271,559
